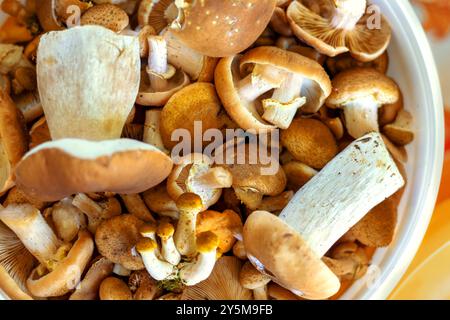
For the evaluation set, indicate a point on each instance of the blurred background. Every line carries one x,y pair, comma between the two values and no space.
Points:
428,276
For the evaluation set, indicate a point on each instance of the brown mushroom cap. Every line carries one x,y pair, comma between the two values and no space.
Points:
143,286
400,131
17,196
357,83
298,174
46,13
220,29
60,168
310,142
345,61
286,258
251,278
277,292
115,239
106,15
225,225
222,284
114,289
13,140
196,102
316,29
67,273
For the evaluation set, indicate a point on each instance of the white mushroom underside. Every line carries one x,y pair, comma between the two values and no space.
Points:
359,178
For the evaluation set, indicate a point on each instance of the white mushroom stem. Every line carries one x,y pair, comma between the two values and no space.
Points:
347,13
361,116
158,270
216,178
355,181
152,133
261,293
159,71
169,251
263,79
32,229
190,206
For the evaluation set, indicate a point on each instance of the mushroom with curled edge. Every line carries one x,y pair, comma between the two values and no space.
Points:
252,279
297,82
194,272
361,92
169,251
338,26
288,248
160,80
213,28
195,173
61,264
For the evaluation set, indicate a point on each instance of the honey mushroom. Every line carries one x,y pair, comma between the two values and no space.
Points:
252,279
158,200
298,82
318,215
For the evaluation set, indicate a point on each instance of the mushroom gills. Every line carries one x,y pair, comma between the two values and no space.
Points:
347,13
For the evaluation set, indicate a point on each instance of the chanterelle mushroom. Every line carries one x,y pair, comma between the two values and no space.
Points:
215,29
358,179
297,82
338,26
360,92
61,264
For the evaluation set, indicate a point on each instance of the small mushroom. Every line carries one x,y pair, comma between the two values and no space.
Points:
115,239
195,173
338,26
39,133
252,279
158,269
160,81
88,288
342,193
360,92
143,286
348,262
239,250
400,131
297,82
194,272
106,15
158,200
189,205
345,61
310,141
113,288
225,225
152,129
13,140
135,205
298,174
196,102
388,112
67,219
169,251
97,212
222,284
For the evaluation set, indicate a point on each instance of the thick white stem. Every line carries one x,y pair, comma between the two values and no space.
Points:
169,251
361,117
347,13
152,133
355,181
157,63
199,270
260,293
158,270
185,237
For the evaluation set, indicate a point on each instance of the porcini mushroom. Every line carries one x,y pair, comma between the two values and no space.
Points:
252,279
169,251
338,26
400,131
360,92
225,225
222,284
158,269
209,27
358,179
160,80
298,82
189,205
47,171
310,142
13,140
195,173
96,55
115,239
198,270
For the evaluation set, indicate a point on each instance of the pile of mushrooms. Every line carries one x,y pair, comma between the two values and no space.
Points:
98,200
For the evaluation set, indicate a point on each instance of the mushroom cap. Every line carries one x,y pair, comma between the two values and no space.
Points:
13,140
158,200
277,250
95,104
223,28
46,13
358,83
400,132
196,102
316,30
277,292
165,230
57,169
345,61
298,174
207,241
310,141
189,202
251,278
67,273
106,15
319,84
222,284
143,286
224,224
17,196
113,288
115,239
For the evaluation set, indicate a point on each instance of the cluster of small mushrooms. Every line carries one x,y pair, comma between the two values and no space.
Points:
93,206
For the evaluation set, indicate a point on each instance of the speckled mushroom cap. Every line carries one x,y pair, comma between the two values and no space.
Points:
311,22
115,239
251,278
357,83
